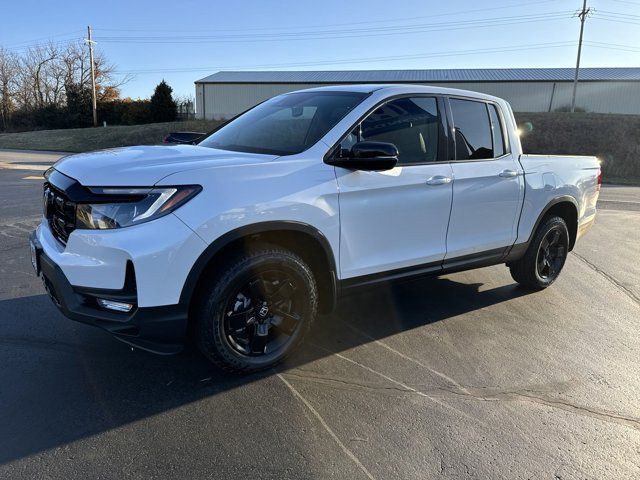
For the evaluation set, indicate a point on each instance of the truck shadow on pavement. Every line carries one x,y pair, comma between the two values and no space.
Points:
61,381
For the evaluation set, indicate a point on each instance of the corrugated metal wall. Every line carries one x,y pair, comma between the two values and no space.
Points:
219,101
227,100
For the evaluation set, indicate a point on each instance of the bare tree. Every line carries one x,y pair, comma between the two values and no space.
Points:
8,85
186,106
46,75
76,62
35,68
46,70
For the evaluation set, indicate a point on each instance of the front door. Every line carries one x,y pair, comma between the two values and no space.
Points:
397,218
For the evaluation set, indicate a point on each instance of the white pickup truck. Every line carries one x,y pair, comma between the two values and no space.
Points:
246,236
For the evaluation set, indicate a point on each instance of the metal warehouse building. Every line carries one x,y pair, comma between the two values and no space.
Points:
605,90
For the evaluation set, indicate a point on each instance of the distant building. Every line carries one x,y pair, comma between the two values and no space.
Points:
605,90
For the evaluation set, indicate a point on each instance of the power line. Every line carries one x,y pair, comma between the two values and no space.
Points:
505,49
328,34
616,20
45,44
627,2
617,14
339,31
613,46
21,44
347,24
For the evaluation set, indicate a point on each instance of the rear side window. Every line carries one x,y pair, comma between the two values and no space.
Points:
472,130
411,124
497,131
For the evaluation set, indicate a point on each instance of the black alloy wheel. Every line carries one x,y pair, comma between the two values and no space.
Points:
255,308
547,253
263,314
551,254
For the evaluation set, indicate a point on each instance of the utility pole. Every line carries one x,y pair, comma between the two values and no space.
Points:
582,16
93,78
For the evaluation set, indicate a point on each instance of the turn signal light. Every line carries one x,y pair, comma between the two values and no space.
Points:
116,306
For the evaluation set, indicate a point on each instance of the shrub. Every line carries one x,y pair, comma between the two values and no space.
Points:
567,108
613,138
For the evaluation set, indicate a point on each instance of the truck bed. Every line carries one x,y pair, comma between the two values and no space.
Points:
549,177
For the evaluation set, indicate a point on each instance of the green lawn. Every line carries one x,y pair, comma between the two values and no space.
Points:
87,139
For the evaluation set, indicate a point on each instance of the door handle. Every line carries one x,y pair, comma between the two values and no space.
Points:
509,173
438,180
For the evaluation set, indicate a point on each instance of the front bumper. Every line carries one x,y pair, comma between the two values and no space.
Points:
162,251
160,329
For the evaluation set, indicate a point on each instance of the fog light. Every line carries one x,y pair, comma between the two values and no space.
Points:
117,306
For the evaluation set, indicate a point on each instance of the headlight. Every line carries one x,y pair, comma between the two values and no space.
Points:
123,207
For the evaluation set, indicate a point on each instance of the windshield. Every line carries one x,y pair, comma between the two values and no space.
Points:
285,125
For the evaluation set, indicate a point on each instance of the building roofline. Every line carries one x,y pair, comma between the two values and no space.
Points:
413,82
490,75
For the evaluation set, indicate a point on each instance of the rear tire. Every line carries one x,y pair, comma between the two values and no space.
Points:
543,261
256,309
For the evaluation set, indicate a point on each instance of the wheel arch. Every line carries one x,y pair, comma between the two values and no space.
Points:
565,207
303,239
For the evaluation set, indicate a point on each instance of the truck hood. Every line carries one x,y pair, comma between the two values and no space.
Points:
147,165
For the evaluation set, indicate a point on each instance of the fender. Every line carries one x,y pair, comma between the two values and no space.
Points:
518,250
254,229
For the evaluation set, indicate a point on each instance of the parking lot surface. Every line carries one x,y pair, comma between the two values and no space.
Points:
462,376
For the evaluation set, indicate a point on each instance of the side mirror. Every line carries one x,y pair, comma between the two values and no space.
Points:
369,156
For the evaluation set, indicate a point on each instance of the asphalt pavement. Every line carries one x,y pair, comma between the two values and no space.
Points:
463,376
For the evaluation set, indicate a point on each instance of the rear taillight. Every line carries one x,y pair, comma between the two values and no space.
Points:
165,139
599,180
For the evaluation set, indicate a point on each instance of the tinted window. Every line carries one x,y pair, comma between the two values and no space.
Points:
472,130
349,141
411,124
286,124
496,128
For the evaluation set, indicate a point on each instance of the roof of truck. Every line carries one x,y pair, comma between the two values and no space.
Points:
397,89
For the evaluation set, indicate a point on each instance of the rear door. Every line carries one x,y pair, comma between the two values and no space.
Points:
488,184
397,218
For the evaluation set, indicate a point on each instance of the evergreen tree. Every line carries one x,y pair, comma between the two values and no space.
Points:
163,107
79,113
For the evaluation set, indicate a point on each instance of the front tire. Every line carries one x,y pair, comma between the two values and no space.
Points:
256,309
543,261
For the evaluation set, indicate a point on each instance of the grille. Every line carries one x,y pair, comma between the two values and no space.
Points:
60,212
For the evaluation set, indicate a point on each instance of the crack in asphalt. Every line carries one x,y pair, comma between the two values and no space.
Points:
478,393
29,219
528,395
17,230
326,426
404,356
325,380
611,279
14,247
397,382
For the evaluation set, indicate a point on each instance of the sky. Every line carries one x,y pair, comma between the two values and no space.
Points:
183,41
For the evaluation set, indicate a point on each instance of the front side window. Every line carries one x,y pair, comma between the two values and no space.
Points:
411,124
473,133
285,125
